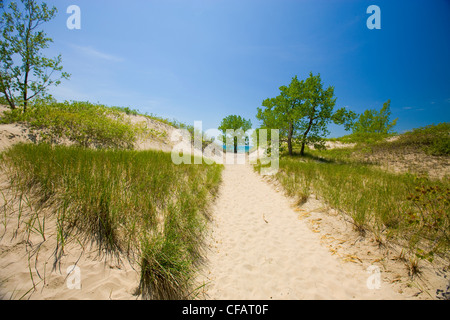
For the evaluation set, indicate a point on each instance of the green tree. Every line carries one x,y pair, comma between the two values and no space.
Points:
303,111
25,73
283,111
240,127
375,122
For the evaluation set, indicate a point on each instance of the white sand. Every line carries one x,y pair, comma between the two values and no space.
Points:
259,249
11,134
26,263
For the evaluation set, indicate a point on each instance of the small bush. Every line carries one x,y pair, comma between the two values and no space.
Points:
126,110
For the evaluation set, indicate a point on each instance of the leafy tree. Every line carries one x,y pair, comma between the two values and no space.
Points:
375,122
240,127
25,73
282,112
302,111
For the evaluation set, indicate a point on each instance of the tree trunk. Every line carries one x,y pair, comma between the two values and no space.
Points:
302,151
25,87
5,93
25,102
27,66
290,134
10,102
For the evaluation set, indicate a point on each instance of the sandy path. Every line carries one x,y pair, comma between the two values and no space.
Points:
259,249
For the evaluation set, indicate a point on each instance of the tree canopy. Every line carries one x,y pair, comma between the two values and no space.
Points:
375,122
235,127
25,73
303,111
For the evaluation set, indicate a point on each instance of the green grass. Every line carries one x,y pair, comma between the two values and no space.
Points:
409,210
83,123
433,140
88,124
361,137
134,204
171,122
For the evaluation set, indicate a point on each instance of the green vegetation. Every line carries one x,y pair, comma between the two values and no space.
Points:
240,127
371,126
133,204
375,122
410,210
25,73
362,138
82,123
171,122
302,111
432,139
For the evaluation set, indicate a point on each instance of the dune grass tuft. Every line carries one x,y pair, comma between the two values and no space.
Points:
134,204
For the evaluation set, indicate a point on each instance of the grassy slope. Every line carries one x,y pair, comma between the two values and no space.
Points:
406,208
433,140
80,123
134,204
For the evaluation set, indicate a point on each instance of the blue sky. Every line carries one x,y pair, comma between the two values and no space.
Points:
206,59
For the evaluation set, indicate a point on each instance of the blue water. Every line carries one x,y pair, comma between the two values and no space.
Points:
240,149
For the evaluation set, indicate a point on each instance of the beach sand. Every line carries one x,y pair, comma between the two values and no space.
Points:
27,269
260,249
